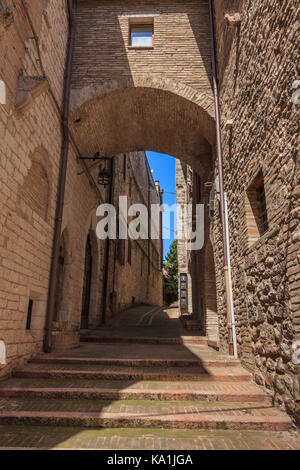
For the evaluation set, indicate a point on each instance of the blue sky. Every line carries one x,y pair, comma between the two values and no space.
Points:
164,171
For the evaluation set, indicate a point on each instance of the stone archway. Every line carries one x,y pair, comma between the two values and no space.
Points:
151,114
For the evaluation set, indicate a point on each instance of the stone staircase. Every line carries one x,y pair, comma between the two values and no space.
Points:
124,387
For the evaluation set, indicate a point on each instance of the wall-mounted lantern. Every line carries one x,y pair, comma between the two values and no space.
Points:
183,292
104,174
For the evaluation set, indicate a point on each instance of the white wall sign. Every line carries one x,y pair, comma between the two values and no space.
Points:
2,92
2,353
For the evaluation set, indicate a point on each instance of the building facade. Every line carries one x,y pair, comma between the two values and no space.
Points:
30,147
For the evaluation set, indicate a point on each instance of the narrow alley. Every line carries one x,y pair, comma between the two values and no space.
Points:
121,121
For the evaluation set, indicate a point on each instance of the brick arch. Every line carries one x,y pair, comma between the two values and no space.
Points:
146,113
34,194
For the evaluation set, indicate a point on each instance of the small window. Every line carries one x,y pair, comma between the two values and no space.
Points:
121,251
29,314
141,35
124,166
256,209
129,254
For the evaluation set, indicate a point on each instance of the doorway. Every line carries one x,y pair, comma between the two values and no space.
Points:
86,294
212,330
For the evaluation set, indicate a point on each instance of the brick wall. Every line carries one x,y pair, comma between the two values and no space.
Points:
139,280
30,144
30,149
181,29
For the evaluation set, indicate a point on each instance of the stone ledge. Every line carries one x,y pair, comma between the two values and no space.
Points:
233,20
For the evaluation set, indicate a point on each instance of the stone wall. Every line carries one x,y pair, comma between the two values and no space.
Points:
257,65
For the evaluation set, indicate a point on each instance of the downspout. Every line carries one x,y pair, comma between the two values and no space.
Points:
107,248
149,228
161,232
71,5
230,312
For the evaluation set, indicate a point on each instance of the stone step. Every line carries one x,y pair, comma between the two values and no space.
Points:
79,438
91,371
143,414
140,351
145,340
45,359
227,394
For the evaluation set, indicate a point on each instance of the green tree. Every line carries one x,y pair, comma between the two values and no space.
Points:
171,275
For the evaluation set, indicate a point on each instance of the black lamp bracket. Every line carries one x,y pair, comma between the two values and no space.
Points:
94,158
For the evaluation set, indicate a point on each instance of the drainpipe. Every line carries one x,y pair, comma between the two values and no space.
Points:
224,213
107,248
230,280
71,5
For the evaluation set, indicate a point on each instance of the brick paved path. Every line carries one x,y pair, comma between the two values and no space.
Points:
141,390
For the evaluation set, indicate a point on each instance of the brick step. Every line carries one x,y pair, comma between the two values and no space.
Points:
140,351
145,340
137,406
209,419
135,394
145,390
79,438
228,374
44,359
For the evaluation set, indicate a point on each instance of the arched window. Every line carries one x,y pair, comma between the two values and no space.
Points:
35,190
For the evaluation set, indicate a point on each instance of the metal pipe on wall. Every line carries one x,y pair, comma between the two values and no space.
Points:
230,280
224,214
71,6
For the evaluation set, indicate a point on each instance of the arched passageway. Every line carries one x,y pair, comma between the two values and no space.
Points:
158,115
148,114
90,282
